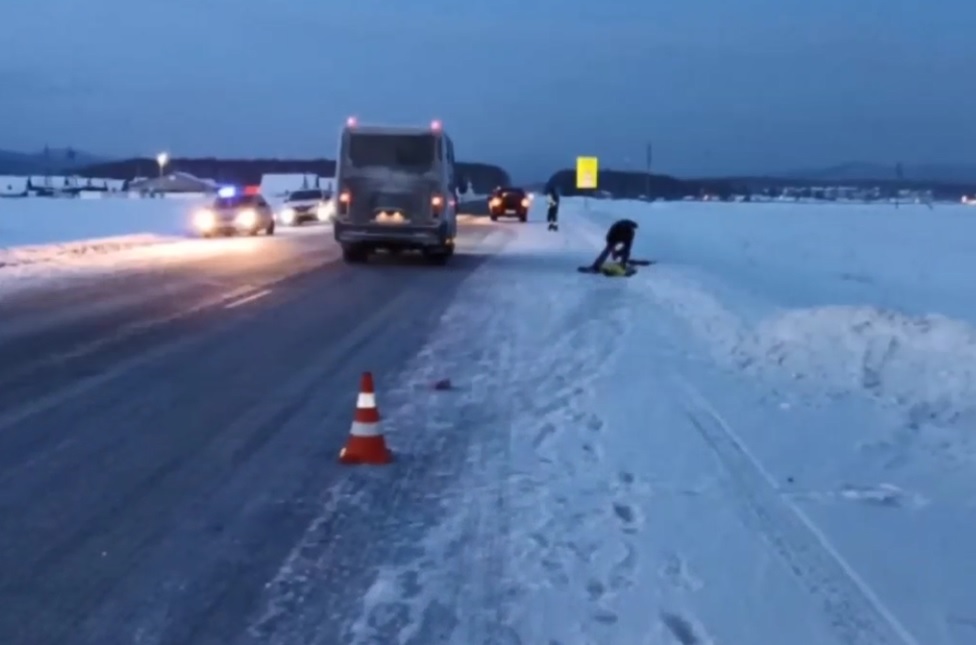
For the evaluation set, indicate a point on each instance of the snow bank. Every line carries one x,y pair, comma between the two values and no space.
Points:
843,298
36,230
925,364
20,256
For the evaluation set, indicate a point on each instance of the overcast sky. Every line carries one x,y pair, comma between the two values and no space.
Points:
719,86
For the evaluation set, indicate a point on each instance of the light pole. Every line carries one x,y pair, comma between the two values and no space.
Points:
162,159
648,159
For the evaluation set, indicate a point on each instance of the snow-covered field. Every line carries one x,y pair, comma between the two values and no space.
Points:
45,231
766,439
34,222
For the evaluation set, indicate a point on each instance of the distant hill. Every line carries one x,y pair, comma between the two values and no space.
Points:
37,163
861,171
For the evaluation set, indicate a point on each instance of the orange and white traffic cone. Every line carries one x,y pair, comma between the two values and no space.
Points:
366,444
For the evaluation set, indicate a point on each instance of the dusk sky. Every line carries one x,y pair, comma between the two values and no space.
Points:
719,86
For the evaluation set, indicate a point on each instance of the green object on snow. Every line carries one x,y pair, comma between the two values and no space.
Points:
613,269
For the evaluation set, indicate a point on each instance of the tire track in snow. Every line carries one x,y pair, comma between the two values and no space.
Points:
852,608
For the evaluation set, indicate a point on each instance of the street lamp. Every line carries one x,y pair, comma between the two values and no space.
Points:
162,159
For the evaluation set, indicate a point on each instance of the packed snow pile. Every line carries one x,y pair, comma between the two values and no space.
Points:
25,255
926,364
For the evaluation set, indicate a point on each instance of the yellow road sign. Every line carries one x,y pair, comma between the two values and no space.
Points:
587,169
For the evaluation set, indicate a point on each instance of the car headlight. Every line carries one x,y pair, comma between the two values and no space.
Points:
247,219
204,220
288,215
325,211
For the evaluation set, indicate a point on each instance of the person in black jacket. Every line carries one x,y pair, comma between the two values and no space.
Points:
552,215
620,240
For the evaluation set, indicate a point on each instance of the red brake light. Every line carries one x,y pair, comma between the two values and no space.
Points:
344,199
437,201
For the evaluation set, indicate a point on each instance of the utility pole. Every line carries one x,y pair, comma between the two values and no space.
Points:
47,166
900,176
649,159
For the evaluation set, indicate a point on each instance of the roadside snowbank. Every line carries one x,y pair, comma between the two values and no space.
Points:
34,231
924,364
19,256
33,222
841,299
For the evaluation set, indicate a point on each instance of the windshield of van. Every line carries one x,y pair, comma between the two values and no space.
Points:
401,151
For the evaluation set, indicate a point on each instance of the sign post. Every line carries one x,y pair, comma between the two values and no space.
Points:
587,175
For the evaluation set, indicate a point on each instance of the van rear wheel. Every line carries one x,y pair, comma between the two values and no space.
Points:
355,254
439,257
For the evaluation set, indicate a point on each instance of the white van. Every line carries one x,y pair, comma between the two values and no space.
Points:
397,190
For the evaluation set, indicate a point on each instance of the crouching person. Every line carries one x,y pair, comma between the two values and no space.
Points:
620,241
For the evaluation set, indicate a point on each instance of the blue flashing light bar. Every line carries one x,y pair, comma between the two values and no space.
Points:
227,191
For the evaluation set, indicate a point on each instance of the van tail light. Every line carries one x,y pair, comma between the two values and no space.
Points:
495,202
525,203
437,205
345,198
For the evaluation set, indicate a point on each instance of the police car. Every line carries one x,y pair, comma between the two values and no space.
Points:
235,212
307,205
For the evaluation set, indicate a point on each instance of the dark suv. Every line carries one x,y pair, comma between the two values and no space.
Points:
509,202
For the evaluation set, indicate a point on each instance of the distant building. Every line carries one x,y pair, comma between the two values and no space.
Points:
176,182
13,186
51,182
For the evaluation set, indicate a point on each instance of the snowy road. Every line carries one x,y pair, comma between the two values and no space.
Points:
764,439
166,436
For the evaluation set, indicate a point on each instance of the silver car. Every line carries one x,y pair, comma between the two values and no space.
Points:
307,205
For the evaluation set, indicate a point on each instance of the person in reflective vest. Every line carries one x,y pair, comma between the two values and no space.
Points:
552,215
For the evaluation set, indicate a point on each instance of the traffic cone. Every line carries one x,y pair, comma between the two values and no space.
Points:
366,444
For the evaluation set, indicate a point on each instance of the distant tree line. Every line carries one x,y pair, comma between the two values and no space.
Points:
634,185
482,177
